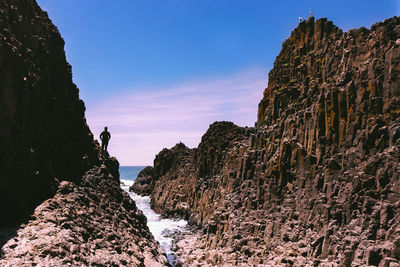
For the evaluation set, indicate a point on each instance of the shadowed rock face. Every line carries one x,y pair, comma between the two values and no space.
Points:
318,179
43,131
144,183
48,160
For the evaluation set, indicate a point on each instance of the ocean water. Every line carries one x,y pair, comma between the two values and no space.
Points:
130,173
162,229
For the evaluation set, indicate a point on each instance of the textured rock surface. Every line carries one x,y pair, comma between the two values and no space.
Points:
95,223
43,132
317,181
144,183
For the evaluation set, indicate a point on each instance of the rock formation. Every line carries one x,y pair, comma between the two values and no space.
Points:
144,182
91,224
43,133
47,153
316,182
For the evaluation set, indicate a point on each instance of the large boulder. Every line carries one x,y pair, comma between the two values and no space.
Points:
144,183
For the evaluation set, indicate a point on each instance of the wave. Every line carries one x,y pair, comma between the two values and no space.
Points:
125,182
162,229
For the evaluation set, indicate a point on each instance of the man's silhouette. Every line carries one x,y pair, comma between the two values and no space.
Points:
105,136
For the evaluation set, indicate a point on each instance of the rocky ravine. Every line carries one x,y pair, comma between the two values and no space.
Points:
49,161
316,182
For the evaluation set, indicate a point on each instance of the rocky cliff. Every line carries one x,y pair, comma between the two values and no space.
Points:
43,133
59,203
316,182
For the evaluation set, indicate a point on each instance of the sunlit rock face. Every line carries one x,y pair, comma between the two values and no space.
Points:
317,180
43,133
94,223
329,88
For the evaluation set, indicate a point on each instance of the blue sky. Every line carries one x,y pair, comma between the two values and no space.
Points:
159,72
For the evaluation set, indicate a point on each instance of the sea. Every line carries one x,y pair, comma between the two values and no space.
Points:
161,228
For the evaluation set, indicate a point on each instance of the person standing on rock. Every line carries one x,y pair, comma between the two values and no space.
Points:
105,136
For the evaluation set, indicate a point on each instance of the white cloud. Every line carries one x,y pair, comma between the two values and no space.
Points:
143,122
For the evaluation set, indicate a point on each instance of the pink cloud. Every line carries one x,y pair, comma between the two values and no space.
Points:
143,122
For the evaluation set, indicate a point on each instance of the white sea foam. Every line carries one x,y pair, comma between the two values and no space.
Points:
160,228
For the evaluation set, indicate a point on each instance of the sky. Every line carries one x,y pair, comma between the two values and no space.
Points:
160,72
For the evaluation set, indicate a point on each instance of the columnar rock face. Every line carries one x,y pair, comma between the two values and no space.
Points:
327,87
172,166
43,132
317,181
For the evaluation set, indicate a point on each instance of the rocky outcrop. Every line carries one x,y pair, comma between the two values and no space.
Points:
316,182
92,224
184,177
171,165
44,138
144,183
